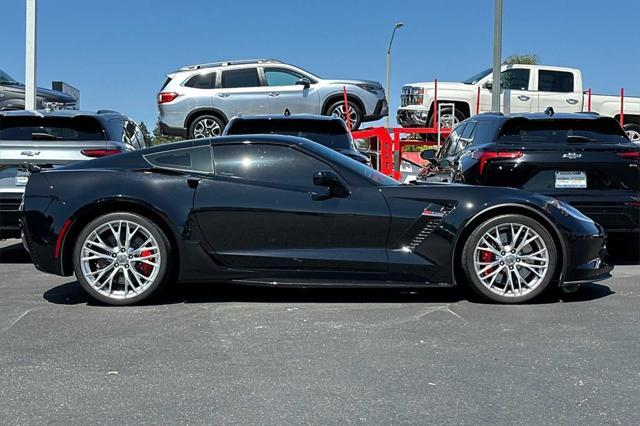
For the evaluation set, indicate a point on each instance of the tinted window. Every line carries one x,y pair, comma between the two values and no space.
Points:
555,81
601,130
280,77
266,163
202,81
467,135
51,128
515,79
331,134
247,77
132,135
196,159
451,144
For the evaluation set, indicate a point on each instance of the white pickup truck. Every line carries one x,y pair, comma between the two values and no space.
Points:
525,88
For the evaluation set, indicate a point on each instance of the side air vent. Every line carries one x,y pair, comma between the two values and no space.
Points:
429,223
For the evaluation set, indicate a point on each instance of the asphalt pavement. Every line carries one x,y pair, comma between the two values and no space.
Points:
213,354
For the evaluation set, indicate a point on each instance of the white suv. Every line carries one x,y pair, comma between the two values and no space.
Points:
197,101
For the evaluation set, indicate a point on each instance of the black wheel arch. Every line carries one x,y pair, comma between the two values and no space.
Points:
340,97
98,208
204,111
509,208
464,107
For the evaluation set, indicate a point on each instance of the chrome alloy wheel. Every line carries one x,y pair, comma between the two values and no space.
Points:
634,135
206,128
339,111
120,259
511,260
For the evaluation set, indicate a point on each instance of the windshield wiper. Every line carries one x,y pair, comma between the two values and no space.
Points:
578,138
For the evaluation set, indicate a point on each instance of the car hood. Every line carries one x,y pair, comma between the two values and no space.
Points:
354,82
442,85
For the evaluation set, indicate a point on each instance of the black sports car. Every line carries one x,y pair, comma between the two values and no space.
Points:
280,210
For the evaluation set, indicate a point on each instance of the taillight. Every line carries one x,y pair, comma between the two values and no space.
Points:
164,97
484,156
630,155
95,153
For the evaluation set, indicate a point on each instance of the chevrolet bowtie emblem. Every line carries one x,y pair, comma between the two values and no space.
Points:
30,153
571,155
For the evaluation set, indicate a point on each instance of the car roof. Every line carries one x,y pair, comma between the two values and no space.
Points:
292,117
499,117
228,63
101,115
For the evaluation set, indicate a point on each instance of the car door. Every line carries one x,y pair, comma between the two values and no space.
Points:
516,94
258,211
285,94
556,90
240,92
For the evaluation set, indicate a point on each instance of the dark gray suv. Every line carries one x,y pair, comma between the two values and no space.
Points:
12,96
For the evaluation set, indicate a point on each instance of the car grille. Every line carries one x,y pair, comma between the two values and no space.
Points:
406,98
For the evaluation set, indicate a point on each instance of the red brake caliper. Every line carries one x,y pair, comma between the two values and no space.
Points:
487,256
145,267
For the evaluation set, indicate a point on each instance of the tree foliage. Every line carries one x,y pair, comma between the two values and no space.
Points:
524,59
157,138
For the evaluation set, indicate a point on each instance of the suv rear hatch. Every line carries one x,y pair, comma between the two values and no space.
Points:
47,142
587,162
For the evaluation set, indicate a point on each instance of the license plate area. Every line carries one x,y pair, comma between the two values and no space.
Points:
571,180
22,177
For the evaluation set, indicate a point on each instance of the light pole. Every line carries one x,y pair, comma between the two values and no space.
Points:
30,56
497,56
395,27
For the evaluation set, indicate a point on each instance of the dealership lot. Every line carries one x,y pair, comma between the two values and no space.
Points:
256,355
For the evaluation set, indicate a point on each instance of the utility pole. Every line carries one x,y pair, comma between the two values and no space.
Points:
395,27
497,56
30,56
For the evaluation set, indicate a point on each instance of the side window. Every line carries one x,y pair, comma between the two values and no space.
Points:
129,133
467,135
451,147
555,81
202,81
141,141
280,77
246,77
197,159
266,163
515,79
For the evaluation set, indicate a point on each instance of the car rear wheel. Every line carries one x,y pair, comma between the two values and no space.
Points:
633,131
205,126
355,114
121,258
509,259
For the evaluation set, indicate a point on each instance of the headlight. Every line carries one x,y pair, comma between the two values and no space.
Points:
417,90
372,88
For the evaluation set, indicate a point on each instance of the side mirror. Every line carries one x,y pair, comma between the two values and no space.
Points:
331,181
428,154
304,81
489,85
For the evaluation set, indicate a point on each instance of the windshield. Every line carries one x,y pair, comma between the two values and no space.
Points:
601,130
477,77
328,133
6,78
51,129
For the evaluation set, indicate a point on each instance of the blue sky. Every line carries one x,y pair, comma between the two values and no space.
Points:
117,52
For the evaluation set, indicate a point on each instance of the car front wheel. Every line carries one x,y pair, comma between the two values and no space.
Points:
121,258
509,259
355,114
205,126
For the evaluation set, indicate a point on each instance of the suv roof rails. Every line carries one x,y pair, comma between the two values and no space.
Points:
227,63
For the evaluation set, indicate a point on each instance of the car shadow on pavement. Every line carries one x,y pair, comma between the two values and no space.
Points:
14,253
72,294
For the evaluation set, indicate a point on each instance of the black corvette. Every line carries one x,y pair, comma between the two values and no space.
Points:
279,210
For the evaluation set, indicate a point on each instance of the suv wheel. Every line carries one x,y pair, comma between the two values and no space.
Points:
205,126
633,131
337,109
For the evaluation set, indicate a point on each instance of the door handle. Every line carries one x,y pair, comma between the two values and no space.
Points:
274,94
572,101
223,95
524,97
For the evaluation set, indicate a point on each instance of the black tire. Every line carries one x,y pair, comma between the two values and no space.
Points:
633,131
164,249
354,109
468,254
205,126
459,117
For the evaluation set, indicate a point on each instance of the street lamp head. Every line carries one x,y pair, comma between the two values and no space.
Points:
399,24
